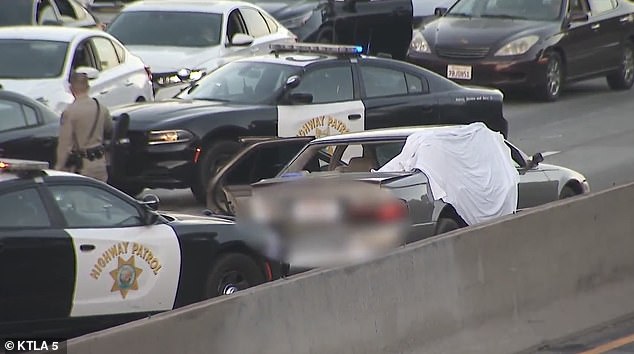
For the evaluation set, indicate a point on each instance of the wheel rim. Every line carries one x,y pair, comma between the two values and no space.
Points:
231,282
628,65
553,77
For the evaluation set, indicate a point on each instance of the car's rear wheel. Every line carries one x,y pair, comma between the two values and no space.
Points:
215,157
623,78
232,272
551,86
567,192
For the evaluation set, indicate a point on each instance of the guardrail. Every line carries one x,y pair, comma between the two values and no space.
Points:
496,288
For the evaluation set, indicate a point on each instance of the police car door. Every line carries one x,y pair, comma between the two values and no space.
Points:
122,265
323,103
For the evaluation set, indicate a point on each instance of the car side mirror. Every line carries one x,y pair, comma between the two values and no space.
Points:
536,160
91,73
300,98
292,82
151,201
241,40
440,11
577,16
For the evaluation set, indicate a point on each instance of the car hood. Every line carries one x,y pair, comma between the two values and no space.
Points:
169,59
47,91
480,32
370,177
145,114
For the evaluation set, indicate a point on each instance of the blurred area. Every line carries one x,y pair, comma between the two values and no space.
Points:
324,223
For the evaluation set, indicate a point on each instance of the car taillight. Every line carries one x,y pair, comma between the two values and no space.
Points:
149,72
386,212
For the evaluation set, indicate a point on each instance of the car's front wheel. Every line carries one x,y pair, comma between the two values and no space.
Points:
211,162
623,78
232,272
550,88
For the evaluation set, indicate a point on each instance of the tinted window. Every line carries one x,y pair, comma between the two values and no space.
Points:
163,28
45,12
106,54
255,23
540,10
599,6
31,59
66,10
11,116
16,12
242,82
30,115
415,84
327,85
23,209
85,207
120,52
380,82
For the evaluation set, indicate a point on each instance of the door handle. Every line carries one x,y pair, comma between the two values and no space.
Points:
354,116
87,248
595,26
103,92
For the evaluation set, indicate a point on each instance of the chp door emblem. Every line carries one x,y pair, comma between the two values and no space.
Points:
125,276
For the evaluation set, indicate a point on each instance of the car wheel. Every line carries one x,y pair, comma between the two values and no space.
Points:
624,77
325,35
553,80
218,201
212,161
232,272
567,192
445,225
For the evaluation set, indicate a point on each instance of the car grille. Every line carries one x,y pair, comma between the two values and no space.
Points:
462,53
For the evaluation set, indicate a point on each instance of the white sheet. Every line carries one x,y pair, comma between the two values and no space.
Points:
469,167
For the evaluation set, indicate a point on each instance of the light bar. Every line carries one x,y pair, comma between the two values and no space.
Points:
317,48
13,165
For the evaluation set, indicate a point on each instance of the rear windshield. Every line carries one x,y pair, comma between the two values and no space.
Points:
167,28
16,12
31,59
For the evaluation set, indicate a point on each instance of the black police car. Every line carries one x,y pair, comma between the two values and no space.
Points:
299,90
79,255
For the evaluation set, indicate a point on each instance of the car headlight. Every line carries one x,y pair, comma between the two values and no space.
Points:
418,43
518,46
297,21
182,75
157,137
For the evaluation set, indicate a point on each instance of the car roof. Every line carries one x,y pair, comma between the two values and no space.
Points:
296,59
47,33
8,176
388,133
210,6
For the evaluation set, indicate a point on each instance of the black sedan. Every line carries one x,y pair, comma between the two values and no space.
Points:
535,44
305,91
79,255
28,129
380,26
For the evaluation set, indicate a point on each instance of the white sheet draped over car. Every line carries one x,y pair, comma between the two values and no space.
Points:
469,167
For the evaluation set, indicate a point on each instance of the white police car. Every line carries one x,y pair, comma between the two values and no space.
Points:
78,255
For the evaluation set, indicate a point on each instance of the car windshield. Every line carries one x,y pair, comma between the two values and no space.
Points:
16,12
167,28
241,82
32,59
536,10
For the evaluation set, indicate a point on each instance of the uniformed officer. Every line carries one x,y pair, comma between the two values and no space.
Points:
83,126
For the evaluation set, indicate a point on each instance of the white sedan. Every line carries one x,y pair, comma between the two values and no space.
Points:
184,40
38,61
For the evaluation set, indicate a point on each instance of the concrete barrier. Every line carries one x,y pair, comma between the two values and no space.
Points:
497,288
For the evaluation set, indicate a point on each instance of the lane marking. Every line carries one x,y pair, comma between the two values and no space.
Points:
617,343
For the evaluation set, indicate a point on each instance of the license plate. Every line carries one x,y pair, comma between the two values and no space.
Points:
316,210
460,72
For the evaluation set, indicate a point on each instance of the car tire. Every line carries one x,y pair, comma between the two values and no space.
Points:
326,36
567,192
445,225
211,162
623,78
232,272
550,90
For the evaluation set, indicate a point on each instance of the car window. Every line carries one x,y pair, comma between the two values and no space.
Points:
83,56
600,6
167,28
23,209
14,116
120,52
31,59
415,84
382,82
66,10
539,10
256,25
271,23
242,82
16,12
235,25
91,207
106,54
327,85
578,5
45,12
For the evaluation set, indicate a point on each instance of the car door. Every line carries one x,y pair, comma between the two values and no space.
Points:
37,265
123,265
393,97
114,79
580,42
324,103
24,134
610,31
535,188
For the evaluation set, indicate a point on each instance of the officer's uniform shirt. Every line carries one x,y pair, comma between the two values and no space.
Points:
76,123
